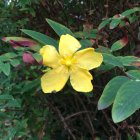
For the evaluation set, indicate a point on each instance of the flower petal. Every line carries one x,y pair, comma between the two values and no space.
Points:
88,59
68,45
50,56
81,80
54,80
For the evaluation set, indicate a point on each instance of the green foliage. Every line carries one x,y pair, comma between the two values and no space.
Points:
43,39
119,18
104,23
110,91
119,44
58,28
27,113
127,101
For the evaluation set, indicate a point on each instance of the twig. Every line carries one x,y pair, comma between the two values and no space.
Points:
88,117
76,114
65,124
109,123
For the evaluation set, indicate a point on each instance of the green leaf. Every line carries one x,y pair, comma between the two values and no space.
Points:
135,74
103,49
37,57
111,59
104,23
14,103
59,28
14,62
85,35
85,43
129,60
133,18
11,133
127,101
10,55
43,39
130,137
89,94
119,44
7,56
5,68
29,85
114,23
130,11
6,97
105,67
138,136
110,91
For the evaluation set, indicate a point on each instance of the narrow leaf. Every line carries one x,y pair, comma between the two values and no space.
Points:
43,39
59,28
21,42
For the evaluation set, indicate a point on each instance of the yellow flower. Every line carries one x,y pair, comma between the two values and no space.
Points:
69,63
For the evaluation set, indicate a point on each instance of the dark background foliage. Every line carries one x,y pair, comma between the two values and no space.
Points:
27,113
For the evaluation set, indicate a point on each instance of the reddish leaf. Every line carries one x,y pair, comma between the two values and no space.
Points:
119,44
21,42
137,64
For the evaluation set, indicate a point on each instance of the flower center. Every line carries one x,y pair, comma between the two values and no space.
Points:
67,61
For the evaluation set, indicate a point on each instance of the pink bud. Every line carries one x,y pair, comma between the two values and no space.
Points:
28,58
